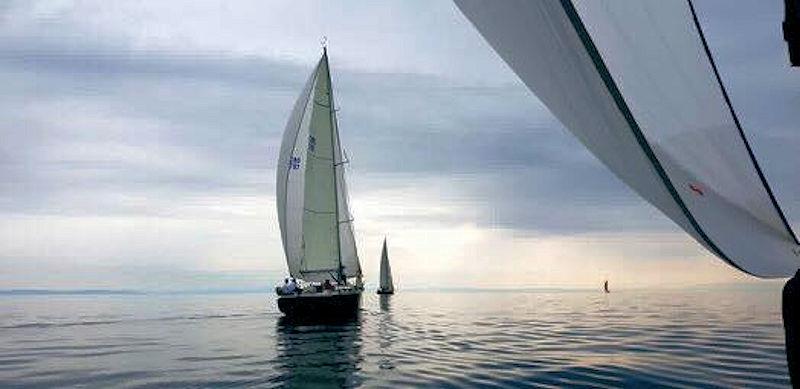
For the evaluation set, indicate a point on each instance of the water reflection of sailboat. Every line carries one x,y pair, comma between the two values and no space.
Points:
386,333
318,355
385,302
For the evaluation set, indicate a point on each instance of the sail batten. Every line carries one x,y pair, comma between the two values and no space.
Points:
311,186
635,83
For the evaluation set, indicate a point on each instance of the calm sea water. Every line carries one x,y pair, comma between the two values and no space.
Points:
433,339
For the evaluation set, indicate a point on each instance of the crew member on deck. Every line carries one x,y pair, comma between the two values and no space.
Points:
285,287
291,287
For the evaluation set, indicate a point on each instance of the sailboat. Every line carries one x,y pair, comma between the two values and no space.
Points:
636,83
386,285
313,212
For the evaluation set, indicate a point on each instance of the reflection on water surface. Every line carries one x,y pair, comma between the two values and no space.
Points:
712,338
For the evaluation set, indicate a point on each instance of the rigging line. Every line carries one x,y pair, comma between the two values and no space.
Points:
739,125
346,160
613,90
334,142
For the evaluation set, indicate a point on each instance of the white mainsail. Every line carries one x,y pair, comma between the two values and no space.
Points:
386,284
635,82
313,213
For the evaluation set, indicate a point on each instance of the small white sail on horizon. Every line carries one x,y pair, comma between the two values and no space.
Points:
386,284
313,213
635,82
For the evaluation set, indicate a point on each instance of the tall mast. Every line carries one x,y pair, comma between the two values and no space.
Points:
334,139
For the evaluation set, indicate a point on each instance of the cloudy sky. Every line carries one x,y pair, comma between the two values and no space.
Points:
139,142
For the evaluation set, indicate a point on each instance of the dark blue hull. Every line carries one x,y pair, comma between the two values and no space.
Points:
320,305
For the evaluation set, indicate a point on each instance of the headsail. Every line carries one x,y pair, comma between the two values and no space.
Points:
635,82
347,242
315,221
386,284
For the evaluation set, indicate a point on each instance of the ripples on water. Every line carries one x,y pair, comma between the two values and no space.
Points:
446,339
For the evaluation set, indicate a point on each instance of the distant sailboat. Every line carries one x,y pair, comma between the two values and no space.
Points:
313,212
605,287
636,83
386,284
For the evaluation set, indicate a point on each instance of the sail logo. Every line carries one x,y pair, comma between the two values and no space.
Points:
294,163
697,189
312,143
796,251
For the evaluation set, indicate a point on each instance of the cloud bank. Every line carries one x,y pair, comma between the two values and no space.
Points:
139,142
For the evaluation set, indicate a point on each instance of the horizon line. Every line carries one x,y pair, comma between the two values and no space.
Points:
143,292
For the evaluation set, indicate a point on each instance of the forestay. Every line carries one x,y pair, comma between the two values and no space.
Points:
313,213
635,82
